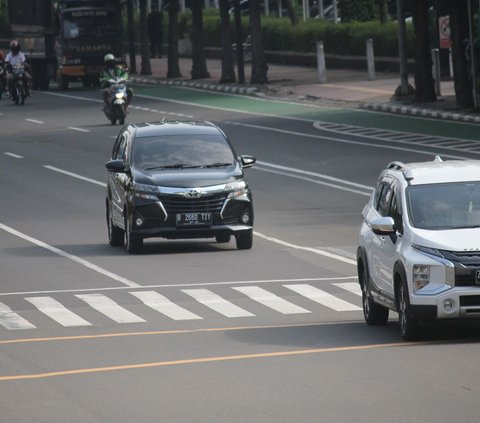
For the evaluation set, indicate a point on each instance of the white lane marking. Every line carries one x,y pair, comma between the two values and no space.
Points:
35,121
15,156
163,305
317,175
271,300
323,298
353,287
76,259
57,311
309,249
303,178
74,128
110,308
11,320
180,285
75,175
217,303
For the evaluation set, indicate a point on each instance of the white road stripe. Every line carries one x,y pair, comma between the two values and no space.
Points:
15,156
271,300
353,287
11,320
323,298
75,175
56,311
217,303
76,259
35,121
73,128
163,305
110,308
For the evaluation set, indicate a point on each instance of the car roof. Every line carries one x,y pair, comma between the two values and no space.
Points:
438,171
149,129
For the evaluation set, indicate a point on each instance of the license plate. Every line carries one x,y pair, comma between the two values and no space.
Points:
190,219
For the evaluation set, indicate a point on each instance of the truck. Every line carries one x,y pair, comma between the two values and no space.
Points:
66,40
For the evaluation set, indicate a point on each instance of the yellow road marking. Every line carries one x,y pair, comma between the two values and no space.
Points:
201,360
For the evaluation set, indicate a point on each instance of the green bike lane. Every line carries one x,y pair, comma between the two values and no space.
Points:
309,112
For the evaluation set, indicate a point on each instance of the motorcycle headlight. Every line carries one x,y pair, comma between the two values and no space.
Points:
236,189
119,95
145,191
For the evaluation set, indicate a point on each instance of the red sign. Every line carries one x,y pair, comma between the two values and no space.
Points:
444,32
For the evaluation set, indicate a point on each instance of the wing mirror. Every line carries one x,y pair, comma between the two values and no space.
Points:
116,165
247,161
383,226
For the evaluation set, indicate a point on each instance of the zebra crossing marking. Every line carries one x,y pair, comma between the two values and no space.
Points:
322,297
217,303
162,304
271,300
12,321
57,311
353,287
110,308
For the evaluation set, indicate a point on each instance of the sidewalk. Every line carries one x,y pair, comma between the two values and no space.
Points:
298,83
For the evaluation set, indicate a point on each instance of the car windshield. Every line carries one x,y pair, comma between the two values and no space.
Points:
181,151
444,206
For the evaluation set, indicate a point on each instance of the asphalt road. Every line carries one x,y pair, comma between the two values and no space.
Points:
272,334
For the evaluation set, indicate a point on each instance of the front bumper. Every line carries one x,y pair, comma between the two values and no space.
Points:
454,303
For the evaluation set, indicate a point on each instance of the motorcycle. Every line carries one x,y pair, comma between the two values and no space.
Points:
3,78
19,93
116,108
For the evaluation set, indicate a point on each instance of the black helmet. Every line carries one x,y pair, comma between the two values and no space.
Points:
14,46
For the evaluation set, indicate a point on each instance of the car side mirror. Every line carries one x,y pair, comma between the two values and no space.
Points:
247,161
116,165
383,226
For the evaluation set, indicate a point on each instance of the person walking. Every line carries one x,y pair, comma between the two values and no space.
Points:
155,31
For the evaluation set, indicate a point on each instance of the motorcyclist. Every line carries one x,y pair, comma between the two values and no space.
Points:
16,57
111,71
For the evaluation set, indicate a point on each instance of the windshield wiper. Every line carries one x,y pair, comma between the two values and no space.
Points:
173,166
218,164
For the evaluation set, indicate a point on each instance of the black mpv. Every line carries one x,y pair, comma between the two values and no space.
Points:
177,180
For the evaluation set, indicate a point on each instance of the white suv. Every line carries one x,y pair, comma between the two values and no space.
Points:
419,244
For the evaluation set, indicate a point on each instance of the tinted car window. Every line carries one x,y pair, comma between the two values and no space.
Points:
384,199
444,206
186,150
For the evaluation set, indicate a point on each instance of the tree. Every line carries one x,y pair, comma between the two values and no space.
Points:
382,10
131,37
424,83
199,64
291,12
173,62
228,71
259,62
461,71
356,10
145,68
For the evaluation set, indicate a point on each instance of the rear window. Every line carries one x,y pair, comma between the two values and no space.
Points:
181,150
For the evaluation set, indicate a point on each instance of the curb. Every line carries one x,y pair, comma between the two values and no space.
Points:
209,86
421,112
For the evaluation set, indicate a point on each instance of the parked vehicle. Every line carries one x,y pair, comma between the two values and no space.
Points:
116,108
419,250
19,92
177,180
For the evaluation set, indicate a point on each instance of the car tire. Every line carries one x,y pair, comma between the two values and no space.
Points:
374,313
115,234
133,242
222,239
244,240
409,329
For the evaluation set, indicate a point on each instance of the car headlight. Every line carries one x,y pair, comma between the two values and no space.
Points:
146,191
427,250
421,276
236,189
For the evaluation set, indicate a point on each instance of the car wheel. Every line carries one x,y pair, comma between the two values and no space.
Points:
223,238
133,242
408,324
115,234
374,313
244,240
